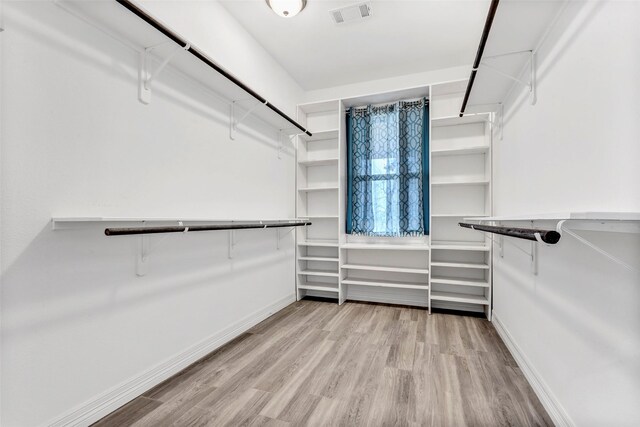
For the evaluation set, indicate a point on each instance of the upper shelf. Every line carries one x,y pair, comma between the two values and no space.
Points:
560,216
517,29
59,222
132,25
456,120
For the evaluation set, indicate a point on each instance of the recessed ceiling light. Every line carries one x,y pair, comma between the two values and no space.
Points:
287,8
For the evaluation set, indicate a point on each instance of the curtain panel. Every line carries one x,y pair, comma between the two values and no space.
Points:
388,169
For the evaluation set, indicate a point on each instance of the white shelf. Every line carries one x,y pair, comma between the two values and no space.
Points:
60,222
457,121
460,282
319,243
470,265
517,27
451,215
320,217
318,162
321,135
390,269
467,182
311,189
317,288
455,297
460,246
321,273
318,259
480,149
383,283
386,246
123,25
559,216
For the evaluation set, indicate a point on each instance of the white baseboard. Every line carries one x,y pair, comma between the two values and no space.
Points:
553,407
107,402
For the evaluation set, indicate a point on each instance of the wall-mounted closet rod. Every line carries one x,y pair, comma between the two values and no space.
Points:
476,63
184,229
550,237
202,57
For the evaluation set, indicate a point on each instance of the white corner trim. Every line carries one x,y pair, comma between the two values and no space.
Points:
553,407
105,403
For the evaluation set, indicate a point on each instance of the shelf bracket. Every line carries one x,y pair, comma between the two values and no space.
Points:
145,250
533,254
531,84
142,256
146,77
234,123
231,243
280,234
560,229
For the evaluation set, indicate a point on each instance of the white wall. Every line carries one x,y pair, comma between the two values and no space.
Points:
76,321
578,322
389,84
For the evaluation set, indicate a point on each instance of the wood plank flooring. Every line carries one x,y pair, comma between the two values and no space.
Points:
317,363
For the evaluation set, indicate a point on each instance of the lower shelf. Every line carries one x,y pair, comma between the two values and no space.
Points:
318,288
460,265
388,269
460,246
480,283
322,273
318,258
454,297
384,283
320,243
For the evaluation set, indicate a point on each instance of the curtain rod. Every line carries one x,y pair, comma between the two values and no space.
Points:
550,237
423,98
483,41
202,57
184,229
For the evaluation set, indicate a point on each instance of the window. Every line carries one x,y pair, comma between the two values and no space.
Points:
388,169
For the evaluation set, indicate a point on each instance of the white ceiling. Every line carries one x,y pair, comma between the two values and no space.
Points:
402,37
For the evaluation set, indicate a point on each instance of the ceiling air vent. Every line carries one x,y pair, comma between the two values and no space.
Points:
354,12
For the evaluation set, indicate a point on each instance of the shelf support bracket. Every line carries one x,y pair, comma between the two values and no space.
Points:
146,77
142,256
145,250
531,84
231,243
560,229
533,254
280,234
234,123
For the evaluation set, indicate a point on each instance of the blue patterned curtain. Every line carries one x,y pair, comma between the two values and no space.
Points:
388,169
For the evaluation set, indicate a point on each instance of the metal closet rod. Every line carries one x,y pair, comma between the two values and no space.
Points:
202,57
550,237
188,229
483,41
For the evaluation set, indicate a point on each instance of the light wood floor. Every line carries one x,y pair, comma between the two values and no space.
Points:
316,363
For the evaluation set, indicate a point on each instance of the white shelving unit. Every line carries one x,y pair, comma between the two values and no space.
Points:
451,268
460,261
318,164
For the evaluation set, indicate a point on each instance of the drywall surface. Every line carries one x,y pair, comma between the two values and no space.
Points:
208,25
577,323
76,320
389,85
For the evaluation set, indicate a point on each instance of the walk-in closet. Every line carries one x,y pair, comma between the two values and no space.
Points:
319,213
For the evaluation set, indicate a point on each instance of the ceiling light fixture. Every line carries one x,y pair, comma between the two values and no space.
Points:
287,8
